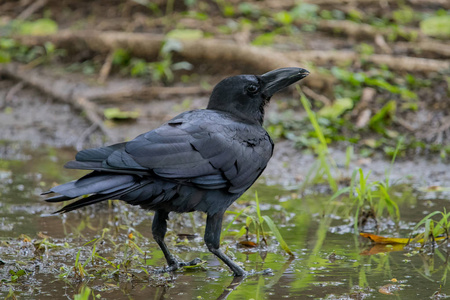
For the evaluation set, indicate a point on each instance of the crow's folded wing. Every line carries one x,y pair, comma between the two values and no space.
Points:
204,148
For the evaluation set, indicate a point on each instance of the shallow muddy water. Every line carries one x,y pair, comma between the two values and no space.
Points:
117,258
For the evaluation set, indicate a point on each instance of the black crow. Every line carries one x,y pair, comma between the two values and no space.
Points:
201,160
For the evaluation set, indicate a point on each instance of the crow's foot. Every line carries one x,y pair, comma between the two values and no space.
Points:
180,264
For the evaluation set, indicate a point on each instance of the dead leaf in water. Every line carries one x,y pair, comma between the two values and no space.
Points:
378,239
248,244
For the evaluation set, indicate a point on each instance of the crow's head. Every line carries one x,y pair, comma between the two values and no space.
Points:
246,95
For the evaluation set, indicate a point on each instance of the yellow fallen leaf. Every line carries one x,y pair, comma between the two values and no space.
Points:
378,239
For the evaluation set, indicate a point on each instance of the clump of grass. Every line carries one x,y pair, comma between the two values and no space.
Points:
161,70
370,199
432,228
84,294
258,220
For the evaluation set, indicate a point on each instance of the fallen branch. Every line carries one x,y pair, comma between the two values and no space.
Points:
59,89
410,64
286,4
146,45
35,6
400,63
148,92
425,46
365,32
260,59
11,93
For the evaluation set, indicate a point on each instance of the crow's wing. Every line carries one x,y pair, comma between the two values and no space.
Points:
209,149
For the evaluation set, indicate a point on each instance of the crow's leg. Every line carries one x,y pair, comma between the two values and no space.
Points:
159,228
212,240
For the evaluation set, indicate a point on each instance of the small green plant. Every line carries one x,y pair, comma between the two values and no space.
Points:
321,149
160,71
258,222
11,50
437,26
374,78
84,294
372,198
15,275
433,228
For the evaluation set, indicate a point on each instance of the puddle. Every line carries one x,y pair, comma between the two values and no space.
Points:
330,262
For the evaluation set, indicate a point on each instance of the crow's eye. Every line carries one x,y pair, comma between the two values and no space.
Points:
252,88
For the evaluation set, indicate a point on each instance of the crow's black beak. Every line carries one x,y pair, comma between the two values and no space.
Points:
278,79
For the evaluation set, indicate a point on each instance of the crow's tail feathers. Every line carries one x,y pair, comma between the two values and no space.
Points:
95,187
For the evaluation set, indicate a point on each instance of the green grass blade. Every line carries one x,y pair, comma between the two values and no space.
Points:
258,210
84,294
277,234
227,228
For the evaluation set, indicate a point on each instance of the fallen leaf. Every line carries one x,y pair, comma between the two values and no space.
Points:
249,244
378,239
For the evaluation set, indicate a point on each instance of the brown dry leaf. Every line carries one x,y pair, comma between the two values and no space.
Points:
248,244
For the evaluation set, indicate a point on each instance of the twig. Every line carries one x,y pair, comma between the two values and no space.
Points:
84,135
405,124
106,68
363,118
32,9
380,42
315,96
11,93
442,128
367,96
